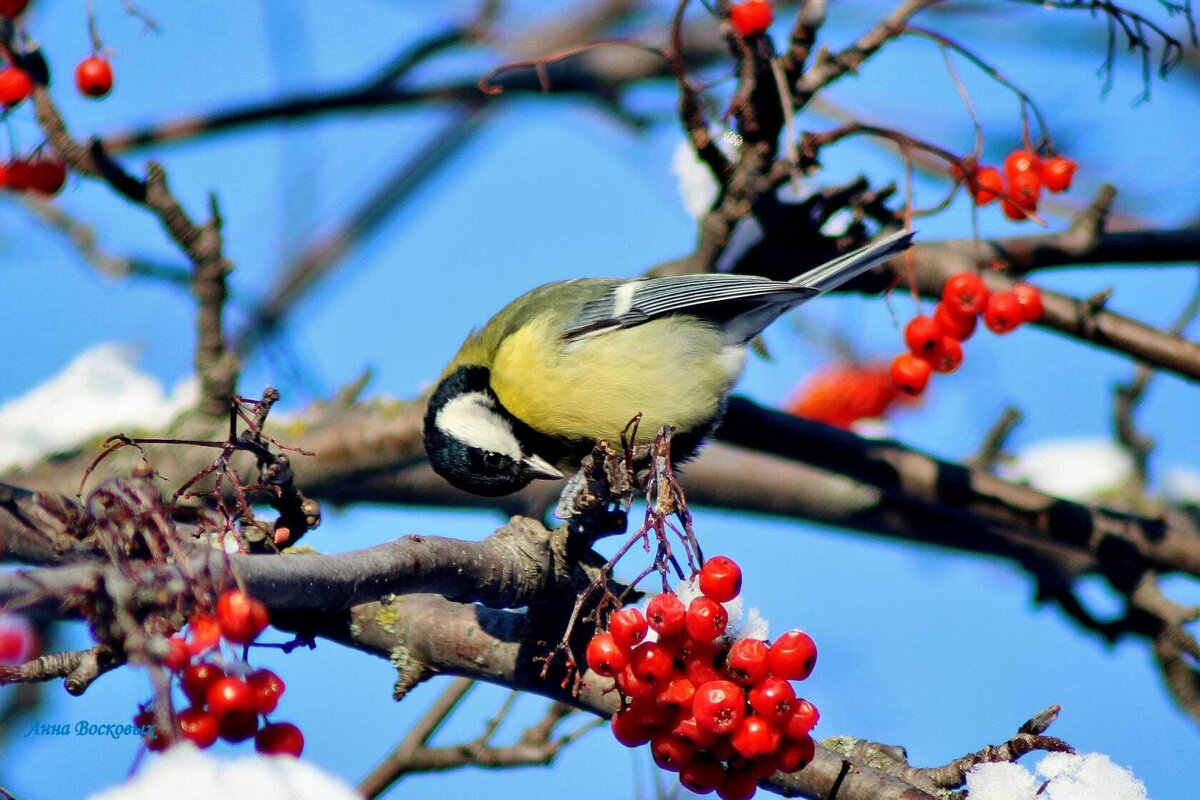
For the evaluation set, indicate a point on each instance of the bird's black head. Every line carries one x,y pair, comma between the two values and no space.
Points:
470,438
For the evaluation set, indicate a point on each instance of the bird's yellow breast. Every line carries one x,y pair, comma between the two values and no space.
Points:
673,370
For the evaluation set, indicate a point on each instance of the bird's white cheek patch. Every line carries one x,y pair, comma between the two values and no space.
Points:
472,419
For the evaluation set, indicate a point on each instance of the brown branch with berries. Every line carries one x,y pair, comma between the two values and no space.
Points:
492,645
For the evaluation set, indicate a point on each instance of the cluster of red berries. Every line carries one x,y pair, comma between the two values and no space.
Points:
1025,175
720,712
43,174
841,394
935,343
226,701
751,17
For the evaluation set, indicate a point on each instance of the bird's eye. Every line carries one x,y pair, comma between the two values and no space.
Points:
491,459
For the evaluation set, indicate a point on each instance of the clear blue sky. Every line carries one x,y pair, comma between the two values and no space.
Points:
938,652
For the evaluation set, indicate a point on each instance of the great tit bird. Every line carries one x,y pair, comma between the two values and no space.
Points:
570,363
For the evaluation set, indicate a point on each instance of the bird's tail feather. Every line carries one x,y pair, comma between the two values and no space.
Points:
834,273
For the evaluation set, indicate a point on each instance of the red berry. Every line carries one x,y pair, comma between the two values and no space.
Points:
678,692
11,8
1021,162
17,639
721,579
792,656
240,616
1014,212
48,176
751,18
604,657
632,686
649,713
1031,301
205,633
628,628
20,175
719,706
774,699
755,737
666,614
178,654
196,680
229,696
1004,312
198,726
802,721
280,739
722,750
1025,189
238,726
948,356
987,186
94,76
144,719
700,664
706,619
795,753
842,394
629,730
747,661
1057,173
702,775
671,752
689,729
910,374
15,85
921,335
956,327
267,687
738,786
651,663
965,295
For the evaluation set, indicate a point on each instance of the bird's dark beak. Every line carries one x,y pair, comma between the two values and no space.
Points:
538,467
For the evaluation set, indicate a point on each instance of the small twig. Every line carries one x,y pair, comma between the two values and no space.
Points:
828,67
151,25
809,20
1129,396
1027,740
946,43
991,449
394,764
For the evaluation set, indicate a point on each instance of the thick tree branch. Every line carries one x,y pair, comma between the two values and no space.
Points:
478,643
513,567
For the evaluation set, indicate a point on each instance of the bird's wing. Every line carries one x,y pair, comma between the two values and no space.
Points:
633,302
722,295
